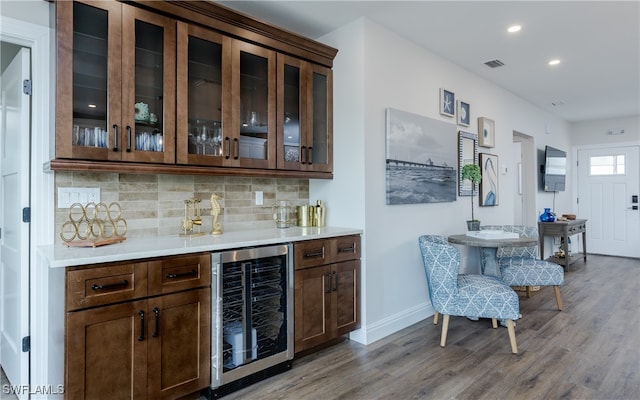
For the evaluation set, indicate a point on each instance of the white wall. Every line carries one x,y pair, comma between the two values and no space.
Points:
595,132
377,69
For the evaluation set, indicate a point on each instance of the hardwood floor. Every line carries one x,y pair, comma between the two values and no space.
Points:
591,350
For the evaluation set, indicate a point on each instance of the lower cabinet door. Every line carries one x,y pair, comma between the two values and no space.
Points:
106,352
313,325
347,290
179,344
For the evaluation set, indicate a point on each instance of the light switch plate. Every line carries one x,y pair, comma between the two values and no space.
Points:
70,195
259,198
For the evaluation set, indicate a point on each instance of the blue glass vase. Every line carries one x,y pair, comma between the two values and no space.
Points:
547,216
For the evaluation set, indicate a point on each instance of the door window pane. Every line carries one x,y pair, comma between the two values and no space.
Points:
607,165
320,135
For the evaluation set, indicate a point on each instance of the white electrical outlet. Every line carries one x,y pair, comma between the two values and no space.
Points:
259,198
70,195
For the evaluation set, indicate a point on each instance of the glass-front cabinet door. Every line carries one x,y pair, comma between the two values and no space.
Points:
148,92
319,151
291,111
304,116
251,141
89,79
203,96
115,83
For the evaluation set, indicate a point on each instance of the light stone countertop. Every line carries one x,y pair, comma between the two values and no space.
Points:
59,255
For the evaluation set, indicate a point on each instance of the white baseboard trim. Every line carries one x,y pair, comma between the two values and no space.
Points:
392,324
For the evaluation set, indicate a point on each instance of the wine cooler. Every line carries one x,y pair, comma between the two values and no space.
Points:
252,324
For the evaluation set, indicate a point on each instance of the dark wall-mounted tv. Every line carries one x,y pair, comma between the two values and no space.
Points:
555,170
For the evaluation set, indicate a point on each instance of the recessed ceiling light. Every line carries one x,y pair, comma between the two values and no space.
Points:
92,106
554,62
514,29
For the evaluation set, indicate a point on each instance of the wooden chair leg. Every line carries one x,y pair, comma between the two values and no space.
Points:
512,336
528,288
558,297
435,318
445,328
494,323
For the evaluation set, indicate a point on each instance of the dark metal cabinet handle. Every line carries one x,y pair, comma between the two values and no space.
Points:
156,333
309,155
350,249
227,143
141,337
327,278
335,281
316,254
115,137
128,139
236,148
182,275
303,154
124,283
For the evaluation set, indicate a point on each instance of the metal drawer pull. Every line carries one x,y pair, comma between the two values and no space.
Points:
141,337
227,143
351,249
316,254
182,275
156,333
124,283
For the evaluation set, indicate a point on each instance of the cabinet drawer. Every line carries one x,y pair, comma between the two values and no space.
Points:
105,284
311,253
173,274
345,248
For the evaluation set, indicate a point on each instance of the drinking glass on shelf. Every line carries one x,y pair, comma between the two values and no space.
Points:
88,137
75,140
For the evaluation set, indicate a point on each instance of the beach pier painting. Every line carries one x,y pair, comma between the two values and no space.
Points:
420,159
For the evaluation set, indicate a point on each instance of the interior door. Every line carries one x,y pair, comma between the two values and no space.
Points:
14,242
608,180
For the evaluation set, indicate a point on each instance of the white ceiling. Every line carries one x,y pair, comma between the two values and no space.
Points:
598,43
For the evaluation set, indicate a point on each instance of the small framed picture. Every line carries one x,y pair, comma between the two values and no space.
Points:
447,103
486,132
464,113
489,182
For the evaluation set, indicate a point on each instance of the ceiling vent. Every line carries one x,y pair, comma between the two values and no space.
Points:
494,63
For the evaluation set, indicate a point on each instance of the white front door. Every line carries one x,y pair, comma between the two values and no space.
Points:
14,240
608,180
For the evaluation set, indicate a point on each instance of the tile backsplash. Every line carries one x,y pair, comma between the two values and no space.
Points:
154,204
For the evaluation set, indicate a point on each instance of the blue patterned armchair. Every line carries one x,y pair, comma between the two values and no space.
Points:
520,266
465,295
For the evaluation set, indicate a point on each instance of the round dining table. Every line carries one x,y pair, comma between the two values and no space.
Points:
489,249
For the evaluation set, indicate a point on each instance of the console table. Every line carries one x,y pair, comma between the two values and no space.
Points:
564,229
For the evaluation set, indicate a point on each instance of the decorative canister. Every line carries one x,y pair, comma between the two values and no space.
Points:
547,216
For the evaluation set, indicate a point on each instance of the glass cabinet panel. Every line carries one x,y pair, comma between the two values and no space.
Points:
148,110
254,106
90,45
291,117
319,157
204,97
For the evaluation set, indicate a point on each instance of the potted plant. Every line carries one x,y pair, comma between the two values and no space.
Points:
472,173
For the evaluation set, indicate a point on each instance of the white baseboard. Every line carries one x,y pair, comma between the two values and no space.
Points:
392,324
